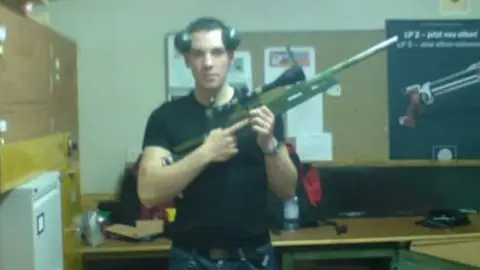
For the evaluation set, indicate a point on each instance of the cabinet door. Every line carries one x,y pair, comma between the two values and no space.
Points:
64,85
411,260
25,87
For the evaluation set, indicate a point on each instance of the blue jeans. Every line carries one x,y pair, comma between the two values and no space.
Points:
183,260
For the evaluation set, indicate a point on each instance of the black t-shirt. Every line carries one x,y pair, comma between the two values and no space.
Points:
226,204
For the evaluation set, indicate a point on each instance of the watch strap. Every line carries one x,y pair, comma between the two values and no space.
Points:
274,150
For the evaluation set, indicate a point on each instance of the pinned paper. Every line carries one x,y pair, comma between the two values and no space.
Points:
335,91
315,147
3,33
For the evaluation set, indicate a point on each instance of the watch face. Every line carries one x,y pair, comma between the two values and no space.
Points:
275,149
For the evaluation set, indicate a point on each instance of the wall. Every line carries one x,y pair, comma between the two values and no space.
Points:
121,60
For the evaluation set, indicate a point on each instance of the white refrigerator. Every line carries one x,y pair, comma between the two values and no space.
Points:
31,225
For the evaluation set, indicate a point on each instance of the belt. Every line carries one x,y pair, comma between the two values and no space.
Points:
220,254
260,253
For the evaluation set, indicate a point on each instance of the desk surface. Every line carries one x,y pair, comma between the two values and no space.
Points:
360,231
375,230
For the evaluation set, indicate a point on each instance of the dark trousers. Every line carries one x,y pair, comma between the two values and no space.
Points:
261,258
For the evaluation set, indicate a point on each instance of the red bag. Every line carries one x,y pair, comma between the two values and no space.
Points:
310,178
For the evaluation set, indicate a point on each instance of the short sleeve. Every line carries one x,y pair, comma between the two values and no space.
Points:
155,131
279,130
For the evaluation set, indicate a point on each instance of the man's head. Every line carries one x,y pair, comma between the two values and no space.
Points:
208,47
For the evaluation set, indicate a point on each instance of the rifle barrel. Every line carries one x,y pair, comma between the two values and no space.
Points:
326,74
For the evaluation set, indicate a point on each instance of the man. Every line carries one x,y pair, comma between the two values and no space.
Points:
221,217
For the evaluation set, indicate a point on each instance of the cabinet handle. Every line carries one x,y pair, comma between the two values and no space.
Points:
72,147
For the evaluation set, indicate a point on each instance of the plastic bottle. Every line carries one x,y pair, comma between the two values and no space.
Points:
291,214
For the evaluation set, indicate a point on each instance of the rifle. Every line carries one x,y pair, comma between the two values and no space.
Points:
289,90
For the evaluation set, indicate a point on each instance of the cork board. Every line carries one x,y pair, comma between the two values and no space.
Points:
38,79
358,119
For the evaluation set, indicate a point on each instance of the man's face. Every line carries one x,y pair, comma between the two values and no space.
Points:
208,59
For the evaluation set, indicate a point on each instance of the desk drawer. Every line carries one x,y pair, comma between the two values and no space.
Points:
458,250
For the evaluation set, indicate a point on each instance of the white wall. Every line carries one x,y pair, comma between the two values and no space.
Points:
121,59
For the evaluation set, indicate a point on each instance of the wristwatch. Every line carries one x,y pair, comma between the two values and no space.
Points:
272,151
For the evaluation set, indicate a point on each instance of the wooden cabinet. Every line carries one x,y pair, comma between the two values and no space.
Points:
64,93
38,100
18,5
25,67
38,80
13,5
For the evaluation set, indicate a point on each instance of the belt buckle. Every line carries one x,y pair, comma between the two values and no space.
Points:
218,254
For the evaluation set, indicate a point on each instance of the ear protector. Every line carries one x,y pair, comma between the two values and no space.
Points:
230,37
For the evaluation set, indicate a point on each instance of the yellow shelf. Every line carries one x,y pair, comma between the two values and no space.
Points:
20,161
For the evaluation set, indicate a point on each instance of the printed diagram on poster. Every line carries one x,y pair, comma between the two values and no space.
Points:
454,7
305,123
425,94
434,89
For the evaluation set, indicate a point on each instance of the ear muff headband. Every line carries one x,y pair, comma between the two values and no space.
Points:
230,38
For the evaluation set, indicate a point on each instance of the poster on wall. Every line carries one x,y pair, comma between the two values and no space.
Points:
240,73
305,123
179,76
434,89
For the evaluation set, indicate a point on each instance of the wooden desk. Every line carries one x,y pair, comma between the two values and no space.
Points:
374,230
382,237
373,238
115,248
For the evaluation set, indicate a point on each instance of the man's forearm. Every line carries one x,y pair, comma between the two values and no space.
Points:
159,183
282,174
